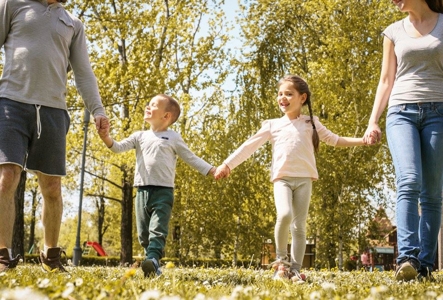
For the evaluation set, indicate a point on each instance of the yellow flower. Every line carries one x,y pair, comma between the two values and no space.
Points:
169,265
129,273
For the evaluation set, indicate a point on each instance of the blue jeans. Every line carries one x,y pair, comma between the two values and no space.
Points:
153,209
415,138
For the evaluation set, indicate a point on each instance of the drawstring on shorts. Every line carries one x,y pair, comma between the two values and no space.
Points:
39,123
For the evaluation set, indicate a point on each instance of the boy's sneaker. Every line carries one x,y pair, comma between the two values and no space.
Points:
5,262
407,270
151,267
52,261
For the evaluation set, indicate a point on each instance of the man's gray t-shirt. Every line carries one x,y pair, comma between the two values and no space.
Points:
156,156
419,76
40,42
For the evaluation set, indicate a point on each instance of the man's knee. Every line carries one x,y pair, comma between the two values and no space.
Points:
9,177
50,186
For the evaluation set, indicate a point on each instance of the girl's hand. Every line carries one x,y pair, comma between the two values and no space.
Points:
372,135
222,171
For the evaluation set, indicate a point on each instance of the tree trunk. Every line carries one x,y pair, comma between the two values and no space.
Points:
32,225
18,238
126,224
101,219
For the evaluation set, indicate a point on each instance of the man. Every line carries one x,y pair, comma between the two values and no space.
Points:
41,42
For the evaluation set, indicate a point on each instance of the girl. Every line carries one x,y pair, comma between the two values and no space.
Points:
295,139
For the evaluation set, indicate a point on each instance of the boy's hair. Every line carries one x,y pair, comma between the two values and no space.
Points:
173,107
302,87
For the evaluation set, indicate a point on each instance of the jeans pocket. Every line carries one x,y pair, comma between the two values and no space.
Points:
393,110
439,108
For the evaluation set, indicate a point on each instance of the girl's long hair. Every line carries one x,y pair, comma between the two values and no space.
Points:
302,87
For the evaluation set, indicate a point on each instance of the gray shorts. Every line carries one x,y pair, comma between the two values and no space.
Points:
33,137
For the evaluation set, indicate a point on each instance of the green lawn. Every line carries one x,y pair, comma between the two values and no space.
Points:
30,282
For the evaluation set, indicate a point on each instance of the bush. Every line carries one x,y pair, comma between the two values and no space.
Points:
350,265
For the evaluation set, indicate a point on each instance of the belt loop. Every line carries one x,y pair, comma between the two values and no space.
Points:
39,123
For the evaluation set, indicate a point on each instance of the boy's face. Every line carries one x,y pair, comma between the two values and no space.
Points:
155,110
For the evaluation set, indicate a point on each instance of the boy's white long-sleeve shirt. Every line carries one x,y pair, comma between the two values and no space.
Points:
292,147
156,156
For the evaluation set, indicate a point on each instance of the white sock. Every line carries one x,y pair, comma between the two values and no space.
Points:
10,253
45,250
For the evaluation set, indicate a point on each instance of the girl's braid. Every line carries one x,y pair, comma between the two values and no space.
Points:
315,138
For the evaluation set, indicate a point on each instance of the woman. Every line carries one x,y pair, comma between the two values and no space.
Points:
411,84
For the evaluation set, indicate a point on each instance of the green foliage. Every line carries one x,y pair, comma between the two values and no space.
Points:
140,49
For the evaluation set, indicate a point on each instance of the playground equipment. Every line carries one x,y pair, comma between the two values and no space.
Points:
93,245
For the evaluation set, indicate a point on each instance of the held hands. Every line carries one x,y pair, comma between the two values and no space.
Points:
222,171
372,135
102,125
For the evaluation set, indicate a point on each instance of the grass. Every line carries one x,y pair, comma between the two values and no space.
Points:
30,282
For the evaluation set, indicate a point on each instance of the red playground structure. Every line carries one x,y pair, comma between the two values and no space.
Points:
93,245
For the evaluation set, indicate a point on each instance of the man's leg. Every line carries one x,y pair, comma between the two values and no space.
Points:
9,179
50,187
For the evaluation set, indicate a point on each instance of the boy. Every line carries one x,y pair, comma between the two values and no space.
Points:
156,156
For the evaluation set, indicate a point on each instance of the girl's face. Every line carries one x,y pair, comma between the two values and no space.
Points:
290,100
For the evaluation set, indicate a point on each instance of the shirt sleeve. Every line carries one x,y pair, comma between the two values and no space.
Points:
389,32
85,79
324,134
249,146
126,144
5,21
190,158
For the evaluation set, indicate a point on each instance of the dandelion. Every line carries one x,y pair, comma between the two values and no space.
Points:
377,290
68,291
78,282
43,283
238,291
199,296
431,294
150,295
129,273
315,295
328,286
169,265
22,293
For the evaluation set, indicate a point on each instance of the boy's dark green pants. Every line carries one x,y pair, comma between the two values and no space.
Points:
153,209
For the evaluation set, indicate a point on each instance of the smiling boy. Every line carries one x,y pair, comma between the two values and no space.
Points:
156,156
